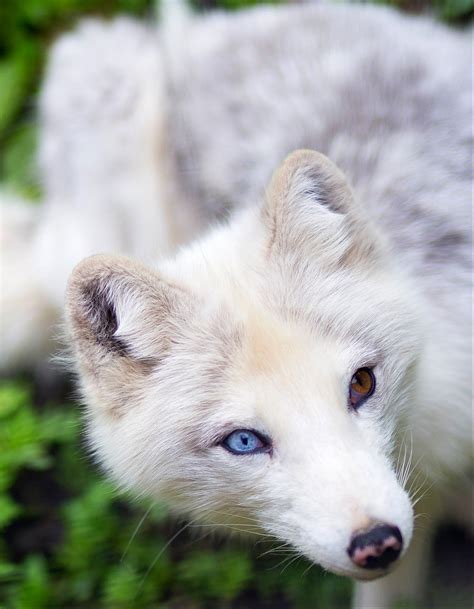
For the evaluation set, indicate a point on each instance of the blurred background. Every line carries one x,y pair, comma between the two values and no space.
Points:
67,538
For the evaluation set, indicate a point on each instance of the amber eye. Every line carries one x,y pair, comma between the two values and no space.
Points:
362,386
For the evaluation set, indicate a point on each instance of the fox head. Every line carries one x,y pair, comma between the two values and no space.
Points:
258,379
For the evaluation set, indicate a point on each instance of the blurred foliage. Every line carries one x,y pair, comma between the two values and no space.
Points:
66,538
27,28
447,10
69,540
230,4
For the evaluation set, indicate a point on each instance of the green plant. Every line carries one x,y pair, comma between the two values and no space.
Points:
67,539
70,540
27,28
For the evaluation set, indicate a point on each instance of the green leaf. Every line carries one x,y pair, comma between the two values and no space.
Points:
20,443
451,10
60,425
121,585
34,592
8,571
8,510
17,72
13,396
19,171
91,525
215,575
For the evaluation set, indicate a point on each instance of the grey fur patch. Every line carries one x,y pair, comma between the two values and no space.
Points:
396,123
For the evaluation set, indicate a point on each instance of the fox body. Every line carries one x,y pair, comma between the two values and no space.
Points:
297,279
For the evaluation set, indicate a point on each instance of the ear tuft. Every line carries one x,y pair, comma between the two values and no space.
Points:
307,207
321,182
99,310
117,308
307,177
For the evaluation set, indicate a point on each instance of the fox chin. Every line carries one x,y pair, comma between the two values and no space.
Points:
269,341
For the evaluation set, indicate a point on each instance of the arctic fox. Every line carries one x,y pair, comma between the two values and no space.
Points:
303,364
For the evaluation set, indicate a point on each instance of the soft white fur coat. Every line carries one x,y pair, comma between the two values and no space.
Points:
151,138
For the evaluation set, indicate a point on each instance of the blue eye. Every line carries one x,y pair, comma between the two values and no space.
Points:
245,442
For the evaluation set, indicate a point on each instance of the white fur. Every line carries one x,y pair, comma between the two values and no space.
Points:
146,140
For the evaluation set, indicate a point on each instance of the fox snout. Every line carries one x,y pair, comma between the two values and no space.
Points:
377,547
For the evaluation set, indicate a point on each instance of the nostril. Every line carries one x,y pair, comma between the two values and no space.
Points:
376,548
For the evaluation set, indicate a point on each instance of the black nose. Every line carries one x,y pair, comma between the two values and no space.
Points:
376,548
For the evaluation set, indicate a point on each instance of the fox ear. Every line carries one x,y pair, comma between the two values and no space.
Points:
309,204
119,312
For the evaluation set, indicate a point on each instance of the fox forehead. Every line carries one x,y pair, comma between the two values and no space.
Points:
286,353
287,301
268,344
277,316
281,370
263,353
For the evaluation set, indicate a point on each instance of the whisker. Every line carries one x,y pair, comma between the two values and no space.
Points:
421,515
308,569
418,483
423,495
250,518
135,532
400,468
407,465
285,547
415,480
238,528
298,556
160,553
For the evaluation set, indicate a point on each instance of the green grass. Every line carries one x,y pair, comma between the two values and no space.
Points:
67,539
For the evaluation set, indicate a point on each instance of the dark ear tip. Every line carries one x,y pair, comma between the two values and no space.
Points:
86,271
